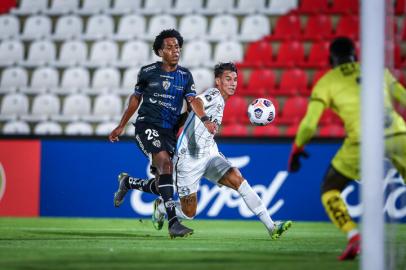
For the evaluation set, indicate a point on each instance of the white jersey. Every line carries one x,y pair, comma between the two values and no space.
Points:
195,139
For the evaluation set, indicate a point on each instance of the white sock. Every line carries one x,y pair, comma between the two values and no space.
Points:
255,204
178,209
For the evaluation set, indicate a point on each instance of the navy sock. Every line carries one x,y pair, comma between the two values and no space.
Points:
166,191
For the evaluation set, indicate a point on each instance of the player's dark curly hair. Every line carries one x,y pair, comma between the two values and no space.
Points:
342,49
221,67
168,33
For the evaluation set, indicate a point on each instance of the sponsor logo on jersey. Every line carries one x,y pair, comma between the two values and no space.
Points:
153,100
164,95
153,84
167,77
166,84
2,181
208,98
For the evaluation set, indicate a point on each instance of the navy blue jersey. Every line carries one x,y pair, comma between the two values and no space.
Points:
162,94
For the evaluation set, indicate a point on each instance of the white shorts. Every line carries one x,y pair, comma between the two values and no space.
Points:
189,170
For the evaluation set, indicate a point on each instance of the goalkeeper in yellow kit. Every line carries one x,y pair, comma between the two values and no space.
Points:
339,89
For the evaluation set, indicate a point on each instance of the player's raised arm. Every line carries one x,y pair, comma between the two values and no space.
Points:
133,104
198,108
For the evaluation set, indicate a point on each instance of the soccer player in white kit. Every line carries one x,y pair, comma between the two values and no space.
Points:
197,156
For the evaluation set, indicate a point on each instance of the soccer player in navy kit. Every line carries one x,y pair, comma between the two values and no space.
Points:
162,86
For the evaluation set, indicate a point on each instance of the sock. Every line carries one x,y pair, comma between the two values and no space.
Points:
166,191
337,210
178,209
352,233
146,185
255,204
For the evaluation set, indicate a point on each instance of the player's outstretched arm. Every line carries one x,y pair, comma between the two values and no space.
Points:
133,104
197,106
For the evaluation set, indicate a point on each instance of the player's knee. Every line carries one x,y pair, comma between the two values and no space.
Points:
232,179
333,180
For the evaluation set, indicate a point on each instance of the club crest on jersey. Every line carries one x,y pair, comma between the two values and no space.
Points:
166,84
157,143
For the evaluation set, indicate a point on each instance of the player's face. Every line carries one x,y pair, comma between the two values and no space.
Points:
227,82
170,51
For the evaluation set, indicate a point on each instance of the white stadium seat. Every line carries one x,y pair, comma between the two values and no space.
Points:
31,7
11,52
254,27
193,27
130,27
59,7
280,7
68,27
228,51
152,7
13,105
187,7
98,27
16,128
41,53
103,53
158,23
223,27
105,80
218,7
196,53
78,128
129,81
125,7
72,53
104,129
74,80
134,53
249,7
43,107
106,107
74,107
13,79
43,80
203,78
9,27
37,27
48,128
94,7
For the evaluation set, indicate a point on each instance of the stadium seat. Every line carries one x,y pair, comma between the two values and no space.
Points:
235,111
68,27
318,56
59,7
293,110
74,80
196,53
261,82
106,107
48,128
78,128
313,6
43,79
125,7
223,27
332,131
152,7
134,53
193,26
249,7
329,117
228,51
11,52
287,27
90,7
257,54
159,22
348,26
400,7
344,7
36,27
291,130
16,128
28,7
279,7
13,105
234,130
266,131
41,53
217,7
289,54
186,7
103,53
99,27
318,27
9,27
130,27
129,81
254,27
13,79
43,107
105,80
74,107
316,76
72,53
104,129
203,78
293,82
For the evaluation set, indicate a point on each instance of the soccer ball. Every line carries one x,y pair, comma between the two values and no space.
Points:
261,112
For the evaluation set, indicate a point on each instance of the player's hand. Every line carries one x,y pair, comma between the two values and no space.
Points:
211,126
294,158
115,133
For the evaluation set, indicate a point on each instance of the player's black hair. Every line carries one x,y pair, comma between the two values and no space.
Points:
342,50
168,33
221,67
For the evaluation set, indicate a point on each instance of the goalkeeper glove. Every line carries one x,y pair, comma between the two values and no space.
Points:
294,158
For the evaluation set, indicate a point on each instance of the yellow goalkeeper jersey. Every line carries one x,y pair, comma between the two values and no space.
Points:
339,89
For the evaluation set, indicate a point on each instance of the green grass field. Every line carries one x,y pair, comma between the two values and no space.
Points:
59,243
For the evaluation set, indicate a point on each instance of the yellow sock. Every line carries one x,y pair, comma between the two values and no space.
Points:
337,210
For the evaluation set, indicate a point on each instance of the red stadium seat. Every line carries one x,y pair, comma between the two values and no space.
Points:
318,56
293,110
291,130
313,6
290,53
316,76
293,81
400,7
261,82
286,27
348,26
257,54
235,111
344,7
234,130
266,131
318,27
398,74
332,131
